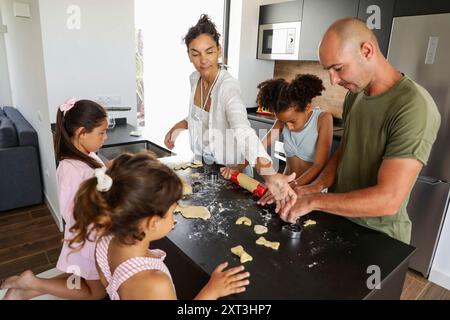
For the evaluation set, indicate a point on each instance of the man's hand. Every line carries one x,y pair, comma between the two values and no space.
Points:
301,207
283,194
307,189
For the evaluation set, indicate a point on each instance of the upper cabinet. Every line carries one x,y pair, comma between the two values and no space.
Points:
420,7
318,15
378,15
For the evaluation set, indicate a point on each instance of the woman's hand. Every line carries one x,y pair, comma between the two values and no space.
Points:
223,283
268,198
169,141
226,172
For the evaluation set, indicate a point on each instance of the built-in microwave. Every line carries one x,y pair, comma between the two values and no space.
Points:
279,41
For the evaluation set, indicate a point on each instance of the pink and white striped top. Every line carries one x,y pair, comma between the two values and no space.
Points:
128,268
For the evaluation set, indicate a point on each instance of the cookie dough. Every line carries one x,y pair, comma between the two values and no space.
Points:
187,189
240,252
309,223
196,164
259,229
244,220
195,175
185,165
193,212
269,244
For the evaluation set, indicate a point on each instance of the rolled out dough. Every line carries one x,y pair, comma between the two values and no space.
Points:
309,223
185,165
193,212
187,189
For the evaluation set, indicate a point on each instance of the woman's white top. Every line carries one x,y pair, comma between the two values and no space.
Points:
231,138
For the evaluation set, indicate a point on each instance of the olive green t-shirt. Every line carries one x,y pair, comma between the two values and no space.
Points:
400,123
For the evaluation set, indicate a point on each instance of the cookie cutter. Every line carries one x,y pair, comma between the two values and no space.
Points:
293,230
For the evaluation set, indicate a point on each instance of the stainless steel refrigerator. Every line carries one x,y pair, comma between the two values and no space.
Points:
420,47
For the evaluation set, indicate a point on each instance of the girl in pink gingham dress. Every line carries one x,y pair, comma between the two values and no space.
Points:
117,207
80,132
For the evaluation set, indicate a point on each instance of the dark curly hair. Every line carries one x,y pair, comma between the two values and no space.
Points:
142,187
203,26
278,95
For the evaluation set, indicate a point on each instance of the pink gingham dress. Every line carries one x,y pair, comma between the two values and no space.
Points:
69,175
128,268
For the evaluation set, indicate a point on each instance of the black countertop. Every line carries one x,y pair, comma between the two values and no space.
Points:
120,135
330,261
338,128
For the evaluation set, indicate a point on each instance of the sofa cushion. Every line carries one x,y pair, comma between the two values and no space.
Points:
8,135
26,134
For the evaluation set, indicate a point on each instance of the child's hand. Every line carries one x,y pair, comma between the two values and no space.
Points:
223,283
267,198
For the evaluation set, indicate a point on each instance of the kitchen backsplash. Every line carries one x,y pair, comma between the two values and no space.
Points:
333,96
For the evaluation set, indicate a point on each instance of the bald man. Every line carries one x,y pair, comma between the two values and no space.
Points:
390,125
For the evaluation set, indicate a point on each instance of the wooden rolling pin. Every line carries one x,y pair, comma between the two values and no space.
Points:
250,184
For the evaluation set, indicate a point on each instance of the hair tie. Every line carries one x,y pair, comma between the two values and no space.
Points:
104,182
66,106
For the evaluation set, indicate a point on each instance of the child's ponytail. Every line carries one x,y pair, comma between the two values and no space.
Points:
304,88
140,187
91,212
82,114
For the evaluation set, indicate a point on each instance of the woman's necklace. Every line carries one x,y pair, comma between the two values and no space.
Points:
203,105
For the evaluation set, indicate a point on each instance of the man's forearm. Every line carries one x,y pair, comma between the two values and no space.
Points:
368,202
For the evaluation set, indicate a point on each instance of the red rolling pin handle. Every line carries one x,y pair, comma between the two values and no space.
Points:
259,190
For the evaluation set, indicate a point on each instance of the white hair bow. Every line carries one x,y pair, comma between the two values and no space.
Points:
104,182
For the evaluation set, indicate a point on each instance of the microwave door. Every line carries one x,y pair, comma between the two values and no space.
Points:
279,41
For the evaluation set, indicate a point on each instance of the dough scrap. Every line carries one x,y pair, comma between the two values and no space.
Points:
269,244
192,212
244,220
195,175
309,223
196,164
259,229
240,252
185,165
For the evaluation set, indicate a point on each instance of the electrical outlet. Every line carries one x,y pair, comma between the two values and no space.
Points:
109,101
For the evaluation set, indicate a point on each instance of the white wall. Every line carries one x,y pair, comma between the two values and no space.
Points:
166,63
28,86
98,59
5,88
244,66
440,270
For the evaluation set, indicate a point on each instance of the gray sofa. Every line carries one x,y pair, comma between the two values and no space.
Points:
20,173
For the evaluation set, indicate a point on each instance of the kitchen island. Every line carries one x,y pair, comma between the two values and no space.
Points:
333,259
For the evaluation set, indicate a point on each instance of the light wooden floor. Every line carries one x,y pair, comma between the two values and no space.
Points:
30,239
